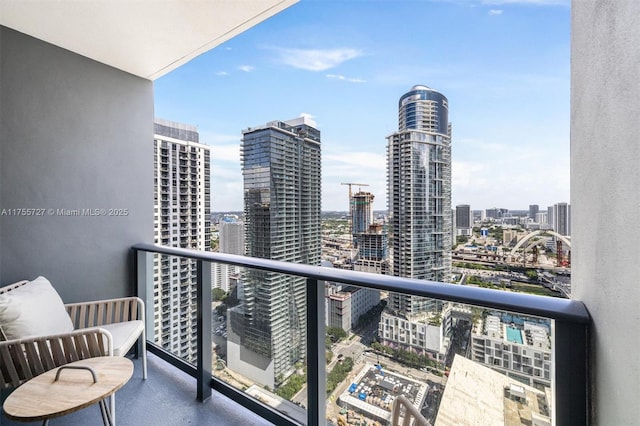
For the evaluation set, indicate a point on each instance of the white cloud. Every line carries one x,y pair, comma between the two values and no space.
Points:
343,78
246,68
316,59
494,12
222,73
306,114
523,178
230,153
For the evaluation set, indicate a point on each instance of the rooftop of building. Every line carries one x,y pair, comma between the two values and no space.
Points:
374,389
504,400
516,329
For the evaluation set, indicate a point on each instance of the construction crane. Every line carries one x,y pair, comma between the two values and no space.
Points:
351,206
351,183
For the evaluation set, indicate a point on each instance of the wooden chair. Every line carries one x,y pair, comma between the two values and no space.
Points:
100,328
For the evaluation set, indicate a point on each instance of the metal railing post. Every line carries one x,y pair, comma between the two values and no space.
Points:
316,355
570,385
203,369
144,262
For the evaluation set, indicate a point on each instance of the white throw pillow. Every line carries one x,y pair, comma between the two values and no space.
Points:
34,309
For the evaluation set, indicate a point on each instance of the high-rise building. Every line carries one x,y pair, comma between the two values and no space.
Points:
419,193
231,237
550,217
420,217
281,169
361,211
562,218
231,241
368,237
496,213
464,219
542,219
181,219
533,211
463,216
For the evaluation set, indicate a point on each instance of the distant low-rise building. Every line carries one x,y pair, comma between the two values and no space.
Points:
515,346
423,334
346,304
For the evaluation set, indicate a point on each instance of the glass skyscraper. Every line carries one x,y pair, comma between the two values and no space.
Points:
281,169
419,194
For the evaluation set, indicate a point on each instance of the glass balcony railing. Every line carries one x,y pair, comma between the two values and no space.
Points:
266,344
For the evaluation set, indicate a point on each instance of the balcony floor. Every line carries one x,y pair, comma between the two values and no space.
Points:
167,397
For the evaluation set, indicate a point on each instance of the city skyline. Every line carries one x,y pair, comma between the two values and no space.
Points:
508,81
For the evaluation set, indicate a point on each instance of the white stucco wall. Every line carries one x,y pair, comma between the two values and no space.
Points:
605,198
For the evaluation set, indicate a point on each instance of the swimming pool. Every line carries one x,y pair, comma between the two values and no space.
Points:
514,335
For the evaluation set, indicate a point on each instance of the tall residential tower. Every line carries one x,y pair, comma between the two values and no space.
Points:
419,197
419,192
181,219
281,169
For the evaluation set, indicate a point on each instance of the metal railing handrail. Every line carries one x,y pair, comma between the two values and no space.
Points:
570,330
541,306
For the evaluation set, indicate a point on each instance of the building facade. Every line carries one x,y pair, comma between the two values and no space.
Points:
181,219
562,218
282,176
231,241
345,304
463,216
419,194
515,346
370,239
463,219
361,211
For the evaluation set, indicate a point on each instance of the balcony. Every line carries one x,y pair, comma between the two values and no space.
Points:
570,325
53,157
166,398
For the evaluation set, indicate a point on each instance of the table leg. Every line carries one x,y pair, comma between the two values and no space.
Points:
112,399
107,420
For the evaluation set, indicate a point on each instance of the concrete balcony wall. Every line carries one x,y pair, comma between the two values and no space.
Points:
74,134
605,198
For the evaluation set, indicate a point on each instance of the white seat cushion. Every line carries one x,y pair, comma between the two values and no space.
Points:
33,309
124,335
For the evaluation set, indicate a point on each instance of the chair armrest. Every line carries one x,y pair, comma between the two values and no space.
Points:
23,359
109,311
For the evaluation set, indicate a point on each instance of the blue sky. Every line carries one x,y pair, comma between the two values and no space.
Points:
502,64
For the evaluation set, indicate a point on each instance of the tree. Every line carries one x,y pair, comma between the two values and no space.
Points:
462,239
336,334
218,294
221,310
329,356
338,374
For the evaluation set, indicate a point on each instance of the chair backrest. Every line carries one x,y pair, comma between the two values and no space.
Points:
21,360
411,415
7,289
12,286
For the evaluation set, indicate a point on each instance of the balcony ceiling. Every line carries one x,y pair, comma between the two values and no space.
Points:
148,38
